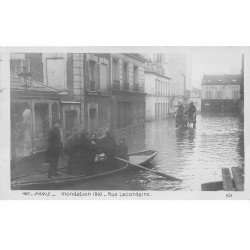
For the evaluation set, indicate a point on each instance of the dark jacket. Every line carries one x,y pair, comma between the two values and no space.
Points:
72,145
191,111
108,145
54,144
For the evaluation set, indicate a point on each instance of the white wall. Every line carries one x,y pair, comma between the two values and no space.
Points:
161,98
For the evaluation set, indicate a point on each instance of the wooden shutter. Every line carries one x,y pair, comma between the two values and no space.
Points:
86,74
98,75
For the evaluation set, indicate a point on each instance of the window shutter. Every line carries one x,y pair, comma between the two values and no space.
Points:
98,75
87,74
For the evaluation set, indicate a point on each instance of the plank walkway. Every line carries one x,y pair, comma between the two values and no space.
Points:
230,182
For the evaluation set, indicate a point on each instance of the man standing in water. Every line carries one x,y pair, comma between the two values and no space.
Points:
54,149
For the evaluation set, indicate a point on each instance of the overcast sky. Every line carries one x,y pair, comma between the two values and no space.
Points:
224,60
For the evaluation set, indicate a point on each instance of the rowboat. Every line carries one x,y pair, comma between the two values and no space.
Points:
40,180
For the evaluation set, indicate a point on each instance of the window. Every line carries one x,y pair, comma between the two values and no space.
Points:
234,80
115,70
92,75
235,94
209,94
219,94
155,110
104,77
125,72
16,65
156,86
135,75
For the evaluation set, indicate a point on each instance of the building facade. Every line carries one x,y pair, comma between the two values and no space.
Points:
157,87
128,92
89,91
220,93
38,90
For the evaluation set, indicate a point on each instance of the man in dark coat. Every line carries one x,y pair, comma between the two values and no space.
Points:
54,149
109,147
71,149
84,152
191,110
122,150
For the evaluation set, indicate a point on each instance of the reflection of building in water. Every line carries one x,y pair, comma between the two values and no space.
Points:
220,93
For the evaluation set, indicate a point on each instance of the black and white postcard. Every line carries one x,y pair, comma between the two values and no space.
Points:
124,122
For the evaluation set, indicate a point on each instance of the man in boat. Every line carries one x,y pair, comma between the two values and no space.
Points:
122,150
54,149
71,148
93,148
109,147
84,159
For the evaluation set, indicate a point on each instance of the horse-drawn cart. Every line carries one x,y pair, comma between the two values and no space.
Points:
184,120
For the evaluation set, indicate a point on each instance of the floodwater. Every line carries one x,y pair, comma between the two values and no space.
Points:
193,155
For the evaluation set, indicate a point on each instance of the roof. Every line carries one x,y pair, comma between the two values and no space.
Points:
17,83
147,70
222,79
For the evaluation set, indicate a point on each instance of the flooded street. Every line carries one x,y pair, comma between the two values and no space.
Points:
193,155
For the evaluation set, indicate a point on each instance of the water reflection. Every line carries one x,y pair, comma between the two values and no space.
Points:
194,155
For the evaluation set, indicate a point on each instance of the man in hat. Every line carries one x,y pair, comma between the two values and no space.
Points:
54,149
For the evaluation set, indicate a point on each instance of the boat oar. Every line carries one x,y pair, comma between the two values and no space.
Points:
150,170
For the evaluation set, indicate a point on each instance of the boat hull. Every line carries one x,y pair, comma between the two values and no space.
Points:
40,180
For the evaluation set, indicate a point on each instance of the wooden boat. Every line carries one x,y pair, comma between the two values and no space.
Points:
40,180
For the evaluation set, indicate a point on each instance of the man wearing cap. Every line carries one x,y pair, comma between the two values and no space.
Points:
54,149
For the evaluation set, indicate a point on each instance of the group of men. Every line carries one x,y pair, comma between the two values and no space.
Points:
82,149
189,110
